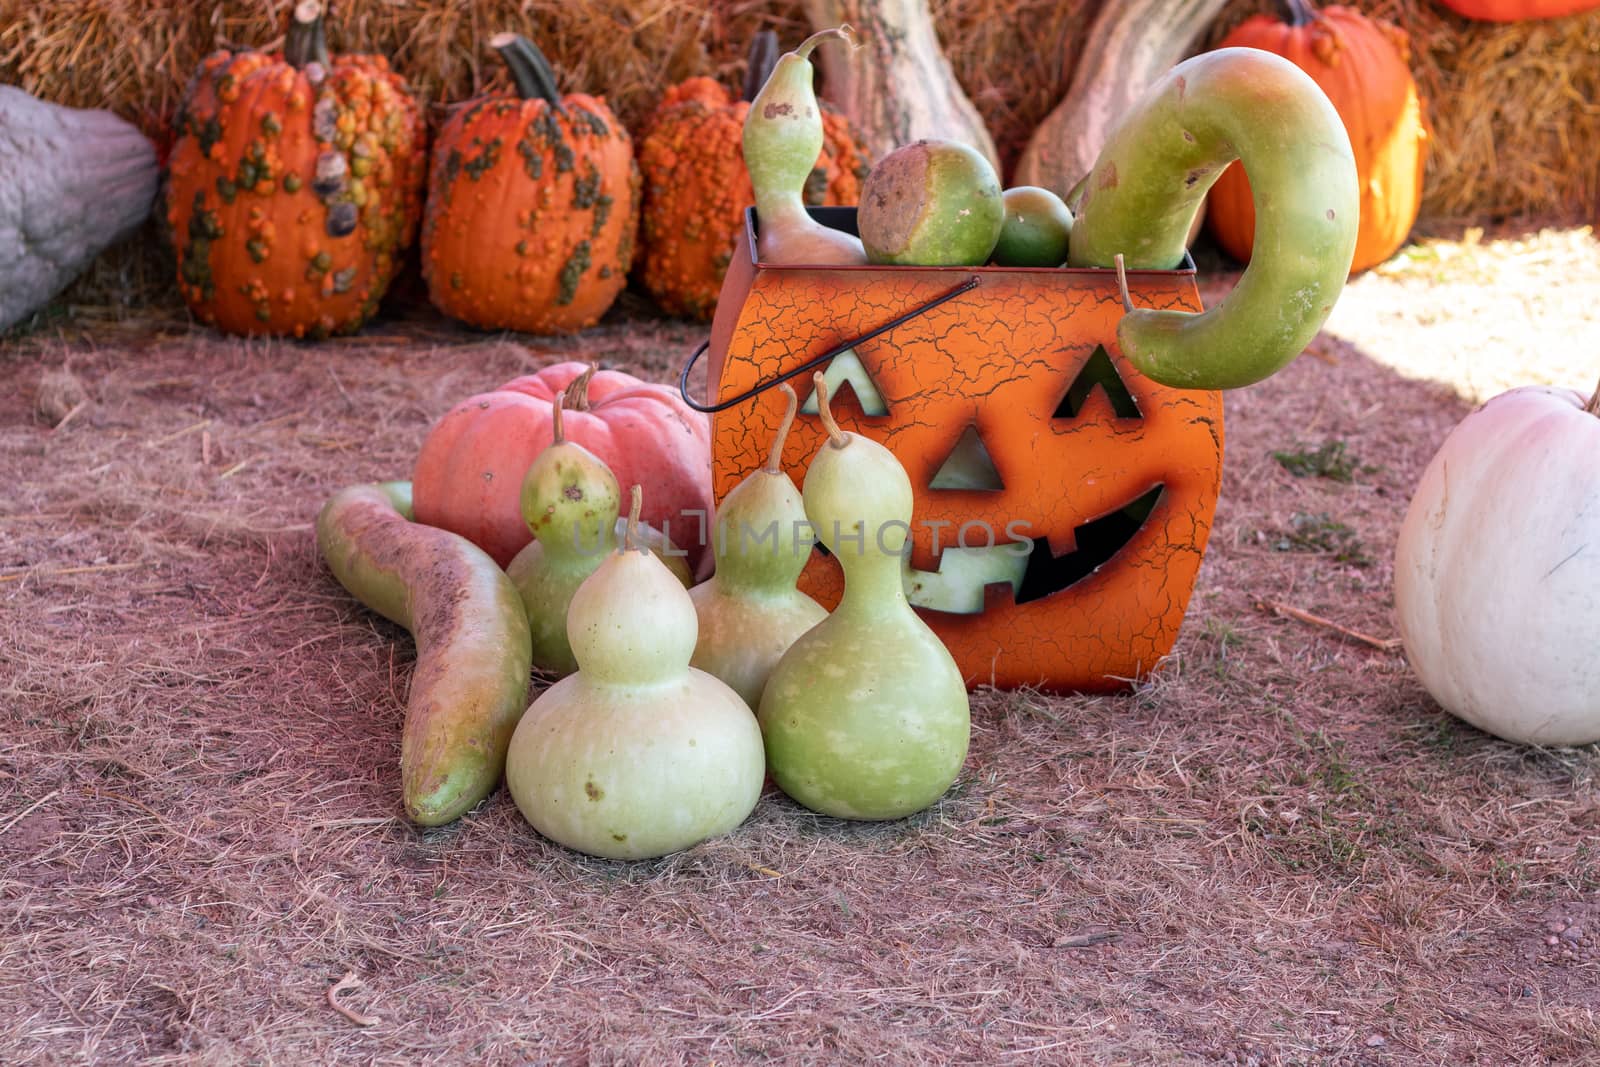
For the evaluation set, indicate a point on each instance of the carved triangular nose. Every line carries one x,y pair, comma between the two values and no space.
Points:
968,466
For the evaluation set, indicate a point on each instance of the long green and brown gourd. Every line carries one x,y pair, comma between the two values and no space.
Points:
1141,197
470,684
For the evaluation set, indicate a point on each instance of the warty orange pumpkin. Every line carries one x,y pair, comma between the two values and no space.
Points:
533,204
1361,64
296,183
696,186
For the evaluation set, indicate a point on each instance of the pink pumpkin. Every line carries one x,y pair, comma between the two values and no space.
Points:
468,477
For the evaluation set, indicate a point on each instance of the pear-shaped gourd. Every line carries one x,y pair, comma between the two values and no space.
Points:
637,754
570,502
866,716
750,611
782,138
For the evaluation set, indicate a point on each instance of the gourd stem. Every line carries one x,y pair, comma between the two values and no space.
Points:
1122,282
1593,406
843,33
630,532
577,391
775,458
1301,13
306,41
758,65
835,437
530,70
556,435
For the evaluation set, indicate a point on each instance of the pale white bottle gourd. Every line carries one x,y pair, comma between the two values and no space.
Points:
750,611
866,715
636,754
782,139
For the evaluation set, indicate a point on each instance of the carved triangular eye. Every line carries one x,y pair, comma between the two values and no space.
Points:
846,369
1098,373
968,466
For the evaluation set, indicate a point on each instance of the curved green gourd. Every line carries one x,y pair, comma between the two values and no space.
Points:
782,139
1150,178
470,683
750,611
866,715
570,502
637,754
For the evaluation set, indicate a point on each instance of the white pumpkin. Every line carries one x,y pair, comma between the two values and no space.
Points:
1497,570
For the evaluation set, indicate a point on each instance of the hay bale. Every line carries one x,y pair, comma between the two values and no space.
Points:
1514,110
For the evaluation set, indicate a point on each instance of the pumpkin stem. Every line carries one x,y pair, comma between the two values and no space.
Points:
1301,13
557,436
631,531
530,70
775,459
1593,406
835,437
843,33
1122,282
759,63
306,42
577,390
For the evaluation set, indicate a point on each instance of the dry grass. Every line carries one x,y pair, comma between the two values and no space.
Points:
1277,852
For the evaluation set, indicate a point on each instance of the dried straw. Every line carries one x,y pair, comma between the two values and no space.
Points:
1515,109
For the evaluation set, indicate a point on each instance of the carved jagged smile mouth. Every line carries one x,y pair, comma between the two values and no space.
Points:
958,586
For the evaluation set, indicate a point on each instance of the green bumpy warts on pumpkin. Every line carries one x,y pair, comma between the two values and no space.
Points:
783,135
750,611
866,715
1141,197
470,684
933,204
571,504
637,754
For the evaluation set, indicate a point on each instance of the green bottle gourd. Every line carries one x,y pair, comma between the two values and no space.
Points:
570,502
637,754
866,715
782,139
750,611
1140,200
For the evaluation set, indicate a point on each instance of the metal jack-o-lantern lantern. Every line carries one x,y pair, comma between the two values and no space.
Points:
1062,500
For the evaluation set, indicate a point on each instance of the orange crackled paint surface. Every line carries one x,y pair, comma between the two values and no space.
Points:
1028,361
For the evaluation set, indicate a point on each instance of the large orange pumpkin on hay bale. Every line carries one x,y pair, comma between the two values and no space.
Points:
295,185
533,204
696,186
1361,64
1519,10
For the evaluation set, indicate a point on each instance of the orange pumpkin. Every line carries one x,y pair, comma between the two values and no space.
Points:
1361,64
1519,10
296,183
468,476
1062,501
696,187
533,203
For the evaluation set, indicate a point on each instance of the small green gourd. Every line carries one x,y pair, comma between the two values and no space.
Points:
750,611
570,501
637,754
866,715
782,139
